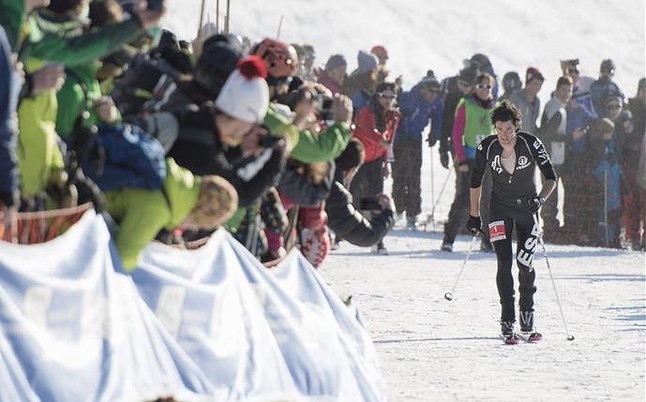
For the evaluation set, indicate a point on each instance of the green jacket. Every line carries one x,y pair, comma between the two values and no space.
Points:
80,87
39,157
12,18
142,213
306,146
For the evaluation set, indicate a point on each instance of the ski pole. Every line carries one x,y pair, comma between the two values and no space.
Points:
558,301
449,295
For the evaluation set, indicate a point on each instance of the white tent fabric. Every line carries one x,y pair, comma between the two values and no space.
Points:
279,332
209,324
72,329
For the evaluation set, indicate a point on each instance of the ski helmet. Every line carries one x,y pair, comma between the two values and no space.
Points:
280,59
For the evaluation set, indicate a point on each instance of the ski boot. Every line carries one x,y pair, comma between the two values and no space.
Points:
527,327
509,336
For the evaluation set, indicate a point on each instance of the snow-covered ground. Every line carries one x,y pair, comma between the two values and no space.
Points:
432,349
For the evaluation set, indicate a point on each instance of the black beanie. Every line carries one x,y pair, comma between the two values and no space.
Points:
352,156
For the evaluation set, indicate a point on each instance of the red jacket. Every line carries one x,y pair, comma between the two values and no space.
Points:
376,143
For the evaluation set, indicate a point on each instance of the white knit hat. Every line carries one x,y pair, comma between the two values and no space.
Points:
245,95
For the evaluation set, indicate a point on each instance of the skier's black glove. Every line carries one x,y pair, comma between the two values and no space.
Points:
533,204
444,159
474,225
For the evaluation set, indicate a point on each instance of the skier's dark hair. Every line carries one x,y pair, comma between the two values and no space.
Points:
506,111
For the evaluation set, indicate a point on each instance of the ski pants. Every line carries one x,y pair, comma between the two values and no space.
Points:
407,169
500,231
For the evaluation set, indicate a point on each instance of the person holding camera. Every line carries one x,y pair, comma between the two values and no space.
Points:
375,126
344,218
512,156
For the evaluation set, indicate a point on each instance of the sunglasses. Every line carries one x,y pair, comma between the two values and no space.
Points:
484,86
387,94
613,107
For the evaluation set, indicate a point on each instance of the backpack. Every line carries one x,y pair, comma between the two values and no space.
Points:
132,158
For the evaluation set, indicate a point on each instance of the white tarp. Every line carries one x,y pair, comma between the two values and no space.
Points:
210,324
272,331
72,329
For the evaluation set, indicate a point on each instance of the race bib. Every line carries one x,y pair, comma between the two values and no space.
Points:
497,231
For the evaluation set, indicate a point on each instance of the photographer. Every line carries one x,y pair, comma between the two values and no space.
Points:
347,221
376,125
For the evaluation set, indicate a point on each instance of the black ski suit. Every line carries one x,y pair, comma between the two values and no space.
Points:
509,209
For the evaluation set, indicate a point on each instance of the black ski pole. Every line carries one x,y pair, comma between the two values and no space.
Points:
558,301
449,295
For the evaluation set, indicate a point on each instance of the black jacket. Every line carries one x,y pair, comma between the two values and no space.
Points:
349,224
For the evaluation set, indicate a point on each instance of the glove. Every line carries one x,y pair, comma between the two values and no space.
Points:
444,159
474,225
431,140
533,204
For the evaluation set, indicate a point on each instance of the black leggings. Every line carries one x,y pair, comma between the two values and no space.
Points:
527,239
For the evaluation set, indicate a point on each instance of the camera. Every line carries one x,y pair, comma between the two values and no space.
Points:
324,107
369,204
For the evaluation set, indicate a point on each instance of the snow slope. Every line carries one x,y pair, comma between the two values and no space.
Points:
432,349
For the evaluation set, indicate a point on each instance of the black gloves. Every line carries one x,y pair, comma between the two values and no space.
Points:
533,204
444,159
431,140
474,225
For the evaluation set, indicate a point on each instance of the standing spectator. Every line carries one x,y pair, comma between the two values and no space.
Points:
604,185
472,125
604,86
454,89
333,76
554,136
382,56
375,126
419,107
510,83
512,157
527,101
361,84
635,200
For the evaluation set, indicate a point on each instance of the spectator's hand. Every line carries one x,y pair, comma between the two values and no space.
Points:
474,225
52,76
579,132
255,141
444,159
106,110
148,18
463,168
533,204
342,109
431,141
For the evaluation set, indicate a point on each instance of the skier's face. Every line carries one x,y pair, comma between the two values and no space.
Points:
506,132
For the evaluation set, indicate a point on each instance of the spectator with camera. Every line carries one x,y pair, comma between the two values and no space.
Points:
344,218
375,126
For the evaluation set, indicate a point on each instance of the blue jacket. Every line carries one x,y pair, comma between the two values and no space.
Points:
416,113
9,88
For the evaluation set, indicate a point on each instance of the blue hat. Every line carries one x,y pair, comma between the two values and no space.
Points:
367,61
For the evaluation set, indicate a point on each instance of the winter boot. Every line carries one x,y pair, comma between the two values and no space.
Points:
447,245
